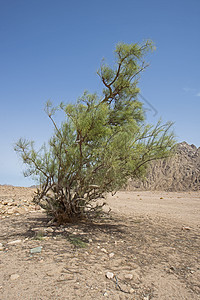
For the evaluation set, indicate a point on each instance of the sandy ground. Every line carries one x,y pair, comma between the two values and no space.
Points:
150,244
179,207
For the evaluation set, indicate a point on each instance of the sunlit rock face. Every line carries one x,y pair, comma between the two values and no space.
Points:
179,173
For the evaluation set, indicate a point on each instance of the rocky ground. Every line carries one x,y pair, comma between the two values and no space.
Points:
147,249
179,173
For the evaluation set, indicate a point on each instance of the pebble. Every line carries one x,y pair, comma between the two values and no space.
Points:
186,228
14,242
104,250
128,276
36,249
131,291
49,229
11,211
111,255
109,275
14,276
1,247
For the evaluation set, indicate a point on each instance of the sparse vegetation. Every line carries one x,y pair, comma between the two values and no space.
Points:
77,242
39,235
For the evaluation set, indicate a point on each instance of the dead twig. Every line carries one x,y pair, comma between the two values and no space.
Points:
118,286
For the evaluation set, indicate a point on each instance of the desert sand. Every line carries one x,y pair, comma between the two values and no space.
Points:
149,244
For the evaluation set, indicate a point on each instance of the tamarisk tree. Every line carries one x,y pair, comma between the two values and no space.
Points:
102,142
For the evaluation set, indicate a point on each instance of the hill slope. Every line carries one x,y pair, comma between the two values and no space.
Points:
179,173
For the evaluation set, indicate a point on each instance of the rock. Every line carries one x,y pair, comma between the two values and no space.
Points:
132,276
104,250
14,242
49,229
36,249
128,276
186,228
105,294
90,240
14,276
109,275
111,255
131,291
11,211
1,247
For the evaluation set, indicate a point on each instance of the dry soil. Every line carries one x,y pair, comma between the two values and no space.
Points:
150,245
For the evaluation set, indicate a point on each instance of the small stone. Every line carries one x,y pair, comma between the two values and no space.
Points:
186,228
11,211
111,255
49,229
50,222
90,240
128,276
104,250
109,275
1,247
14,276
14,242
36,249
131,291
105,294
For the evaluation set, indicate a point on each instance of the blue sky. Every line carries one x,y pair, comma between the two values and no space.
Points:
52,50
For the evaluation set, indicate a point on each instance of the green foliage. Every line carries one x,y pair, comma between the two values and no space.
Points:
77,242
102,142
39,235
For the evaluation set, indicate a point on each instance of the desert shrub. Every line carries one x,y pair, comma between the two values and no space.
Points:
102,142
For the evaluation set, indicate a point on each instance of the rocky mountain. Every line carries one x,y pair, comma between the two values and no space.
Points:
179,173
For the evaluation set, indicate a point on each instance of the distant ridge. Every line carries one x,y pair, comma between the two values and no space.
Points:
179,173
